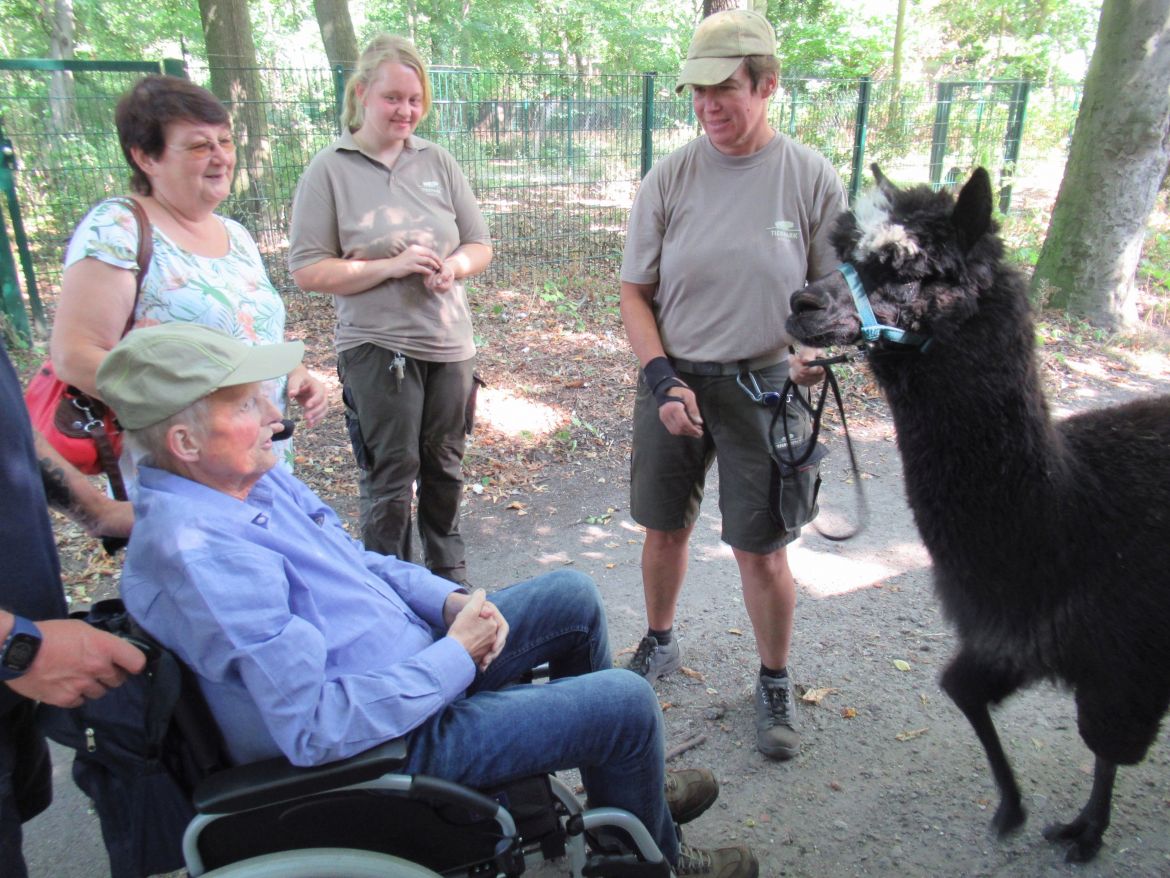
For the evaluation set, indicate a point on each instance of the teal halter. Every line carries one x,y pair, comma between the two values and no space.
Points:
871,330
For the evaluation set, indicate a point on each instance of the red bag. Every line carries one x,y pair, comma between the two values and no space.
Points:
84,430
72,422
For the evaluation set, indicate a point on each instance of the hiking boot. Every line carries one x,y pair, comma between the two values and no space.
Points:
776,735
653,661
736,862
690,792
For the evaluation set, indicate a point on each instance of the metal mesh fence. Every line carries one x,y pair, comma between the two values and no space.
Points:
554,158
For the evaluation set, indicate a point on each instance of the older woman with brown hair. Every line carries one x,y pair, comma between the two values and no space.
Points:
386,223
205,268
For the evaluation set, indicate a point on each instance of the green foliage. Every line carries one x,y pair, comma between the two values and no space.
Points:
828,39
1015,39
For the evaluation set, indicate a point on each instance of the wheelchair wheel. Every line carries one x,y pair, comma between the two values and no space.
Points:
323,863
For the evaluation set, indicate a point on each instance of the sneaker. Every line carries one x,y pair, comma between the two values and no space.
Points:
690,792
776,735
736,862
653,661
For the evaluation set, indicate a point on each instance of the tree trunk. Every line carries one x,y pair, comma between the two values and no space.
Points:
1117,159
235,80
337,32
899,44
710,7
62,97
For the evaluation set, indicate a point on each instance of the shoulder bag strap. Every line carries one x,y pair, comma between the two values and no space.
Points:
143,256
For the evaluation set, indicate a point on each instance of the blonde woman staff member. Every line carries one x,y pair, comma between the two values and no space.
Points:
386,223
721,232
205,268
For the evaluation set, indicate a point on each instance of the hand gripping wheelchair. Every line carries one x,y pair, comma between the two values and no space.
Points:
150,755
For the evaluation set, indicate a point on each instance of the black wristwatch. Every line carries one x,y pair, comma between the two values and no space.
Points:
19,649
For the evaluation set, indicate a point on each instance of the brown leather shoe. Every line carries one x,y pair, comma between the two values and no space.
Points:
736,862
690,792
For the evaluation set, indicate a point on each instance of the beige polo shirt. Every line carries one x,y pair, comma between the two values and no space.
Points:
350,205
728,239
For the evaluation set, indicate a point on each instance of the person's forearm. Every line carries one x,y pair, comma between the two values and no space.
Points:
470,259
342,277
638,319
67,490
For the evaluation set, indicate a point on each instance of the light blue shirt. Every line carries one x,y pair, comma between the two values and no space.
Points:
304,643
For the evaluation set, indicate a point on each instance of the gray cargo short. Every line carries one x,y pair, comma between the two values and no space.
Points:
667,472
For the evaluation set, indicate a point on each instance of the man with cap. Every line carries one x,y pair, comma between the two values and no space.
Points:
721,233
307,645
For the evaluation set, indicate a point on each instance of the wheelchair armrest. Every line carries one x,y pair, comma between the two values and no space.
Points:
274,780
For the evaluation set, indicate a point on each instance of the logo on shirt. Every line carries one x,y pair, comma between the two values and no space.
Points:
431,187
784,229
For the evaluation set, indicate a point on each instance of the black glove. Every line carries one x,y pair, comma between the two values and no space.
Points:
660,377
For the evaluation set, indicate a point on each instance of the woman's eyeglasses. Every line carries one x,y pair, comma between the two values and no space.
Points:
204,148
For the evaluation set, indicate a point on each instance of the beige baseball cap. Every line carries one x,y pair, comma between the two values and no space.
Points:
157,371
720,44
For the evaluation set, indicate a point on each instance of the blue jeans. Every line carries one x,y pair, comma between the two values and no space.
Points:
591,716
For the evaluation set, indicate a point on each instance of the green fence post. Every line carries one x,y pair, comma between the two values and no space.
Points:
175,67
859,132
1012,139
938,138
647,122
569,132
10,287
339,92
15,308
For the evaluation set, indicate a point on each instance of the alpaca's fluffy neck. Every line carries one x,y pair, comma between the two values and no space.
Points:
983,464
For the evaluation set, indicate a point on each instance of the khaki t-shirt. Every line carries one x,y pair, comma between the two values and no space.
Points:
728,239
352,206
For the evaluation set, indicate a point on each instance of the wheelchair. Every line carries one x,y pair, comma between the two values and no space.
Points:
359,817
352,818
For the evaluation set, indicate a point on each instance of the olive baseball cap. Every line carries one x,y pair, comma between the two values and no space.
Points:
157,371
720,44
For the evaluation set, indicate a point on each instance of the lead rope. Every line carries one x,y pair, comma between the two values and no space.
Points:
792,391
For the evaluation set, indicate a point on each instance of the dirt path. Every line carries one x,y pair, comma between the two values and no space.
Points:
891,781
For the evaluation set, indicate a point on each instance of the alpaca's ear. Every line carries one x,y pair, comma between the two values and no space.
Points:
884,185
972,214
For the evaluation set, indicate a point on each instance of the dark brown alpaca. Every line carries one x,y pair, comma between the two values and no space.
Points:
1048,538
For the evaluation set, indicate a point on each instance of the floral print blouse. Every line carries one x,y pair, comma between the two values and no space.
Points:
231,293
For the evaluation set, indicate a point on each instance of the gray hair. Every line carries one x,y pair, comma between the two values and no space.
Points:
149,444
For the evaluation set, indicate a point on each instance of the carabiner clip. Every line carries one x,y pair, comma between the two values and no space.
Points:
770,398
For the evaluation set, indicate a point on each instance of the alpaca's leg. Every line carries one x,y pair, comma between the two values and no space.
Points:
1085,832
973,685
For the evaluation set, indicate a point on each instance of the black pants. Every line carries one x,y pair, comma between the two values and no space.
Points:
405,431
26,783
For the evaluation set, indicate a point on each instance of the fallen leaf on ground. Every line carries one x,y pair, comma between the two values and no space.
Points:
691,672
816,696
901,664
910,736
735,631
848,713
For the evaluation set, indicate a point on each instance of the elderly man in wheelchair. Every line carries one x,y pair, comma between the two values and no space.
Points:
307,647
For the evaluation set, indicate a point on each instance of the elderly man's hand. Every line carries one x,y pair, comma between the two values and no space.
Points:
478,626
